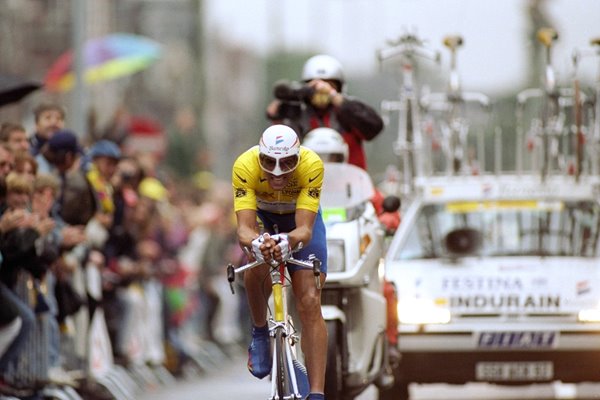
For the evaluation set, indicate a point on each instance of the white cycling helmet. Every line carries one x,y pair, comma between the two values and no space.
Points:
323,67
328,144
279,150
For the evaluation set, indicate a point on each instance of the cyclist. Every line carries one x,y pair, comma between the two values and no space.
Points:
279,182
328,106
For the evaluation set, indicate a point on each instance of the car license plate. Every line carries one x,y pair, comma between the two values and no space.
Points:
514,371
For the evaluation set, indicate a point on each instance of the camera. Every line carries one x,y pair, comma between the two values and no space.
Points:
292,91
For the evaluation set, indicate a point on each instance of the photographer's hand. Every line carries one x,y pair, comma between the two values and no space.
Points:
325,94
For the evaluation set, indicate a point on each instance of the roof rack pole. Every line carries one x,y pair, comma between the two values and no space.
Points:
498,150
520,142
596,128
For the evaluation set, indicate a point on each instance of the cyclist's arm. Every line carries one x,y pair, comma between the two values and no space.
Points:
246,227
305,219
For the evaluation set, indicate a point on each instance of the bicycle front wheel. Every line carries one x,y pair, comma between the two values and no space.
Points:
282,373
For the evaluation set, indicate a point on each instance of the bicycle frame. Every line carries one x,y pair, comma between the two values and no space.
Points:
284,385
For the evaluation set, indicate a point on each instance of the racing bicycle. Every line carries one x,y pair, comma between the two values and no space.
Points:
288,375
451,106
408,48
550,138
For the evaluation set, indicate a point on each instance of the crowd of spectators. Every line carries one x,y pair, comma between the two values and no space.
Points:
86,227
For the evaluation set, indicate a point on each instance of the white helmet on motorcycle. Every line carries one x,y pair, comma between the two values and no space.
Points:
279,150
324,67
328,144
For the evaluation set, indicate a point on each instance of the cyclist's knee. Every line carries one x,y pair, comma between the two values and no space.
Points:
309,304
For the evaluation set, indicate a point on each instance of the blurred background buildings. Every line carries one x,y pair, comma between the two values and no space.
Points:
220,57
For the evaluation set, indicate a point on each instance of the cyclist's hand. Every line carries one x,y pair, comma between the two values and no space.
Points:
257,244
282,252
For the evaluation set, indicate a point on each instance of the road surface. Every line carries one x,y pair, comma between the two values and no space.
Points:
233,381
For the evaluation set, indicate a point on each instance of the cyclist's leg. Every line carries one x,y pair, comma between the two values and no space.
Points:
257,283
308,304
314,330
259,350
257,280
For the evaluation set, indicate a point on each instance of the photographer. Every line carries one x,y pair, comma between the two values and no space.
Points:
320,102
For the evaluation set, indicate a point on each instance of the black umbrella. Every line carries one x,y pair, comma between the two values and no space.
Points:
13,88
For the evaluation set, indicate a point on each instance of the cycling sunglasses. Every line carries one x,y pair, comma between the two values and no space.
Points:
279,166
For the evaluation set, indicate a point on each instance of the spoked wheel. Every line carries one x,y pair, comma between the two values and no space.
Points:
282,373
334,384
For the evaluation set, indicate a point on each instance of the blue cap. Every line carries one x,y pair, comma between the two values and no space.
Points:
64,140
105,148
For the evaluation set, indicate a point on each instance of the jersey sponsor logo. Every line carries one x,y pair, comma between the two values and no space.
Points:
314,192
239,192
517,340
261,180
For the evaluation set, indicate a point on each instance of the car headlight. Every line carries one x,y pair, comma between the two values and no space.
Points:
336,255
422,311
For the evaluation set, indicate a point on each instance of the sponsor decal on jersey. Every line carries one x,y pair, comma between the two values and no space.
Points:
314,192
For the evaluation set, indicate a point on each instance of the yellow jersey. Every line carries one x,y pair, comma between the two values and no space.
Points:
251,190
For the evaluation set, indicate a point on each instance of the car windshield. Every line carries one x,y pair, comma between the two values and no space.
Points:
508,228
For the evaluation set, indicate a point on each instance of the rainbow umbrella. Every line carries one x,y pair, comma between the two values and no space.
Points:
105,58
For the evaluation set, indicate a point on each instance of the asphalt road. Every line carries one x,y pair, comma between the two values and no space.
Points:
231,380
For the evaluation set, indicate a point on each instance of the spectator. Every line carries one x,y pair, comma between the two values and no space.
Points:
26,165
88,192
24,267
49,118
58,156
7,160
15,136
17,320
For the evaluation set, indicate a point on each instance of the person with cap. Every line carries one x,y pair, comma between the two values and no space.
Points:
322,102
89,192
280,182
60,153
